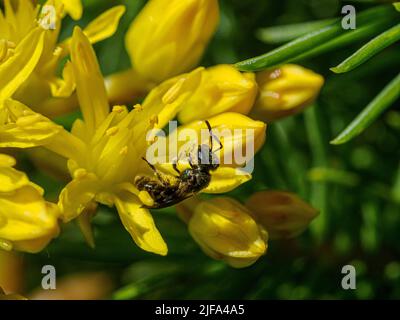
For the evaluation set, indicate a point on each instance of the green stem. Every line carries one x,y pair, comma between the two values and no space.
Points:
319,190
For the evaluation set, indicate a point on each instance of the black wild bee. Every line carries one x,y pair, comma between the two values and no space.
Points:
169,190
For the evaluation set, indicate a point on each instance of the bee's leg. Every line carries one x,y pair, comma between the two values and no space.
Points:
175,166
212,137
158,174
190,161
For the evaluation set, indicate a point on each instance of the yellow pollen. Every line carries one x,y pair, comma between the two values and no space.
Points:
112,131
58,51
153,121
118,109
138,107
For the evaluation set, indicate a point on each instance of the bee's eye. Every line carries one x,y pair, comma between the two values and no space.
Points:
185,174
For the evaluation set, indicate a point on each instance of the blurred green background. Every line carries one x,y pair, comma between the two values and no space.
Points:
356,186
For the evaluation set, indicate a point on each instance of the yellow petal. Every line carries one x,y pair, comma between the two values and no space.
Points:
167,99
140,224
162,104
85,223
225,179
63,88
17,69
11,179
89,81
31,222
6,161
73,8
77,196
20,127
105,25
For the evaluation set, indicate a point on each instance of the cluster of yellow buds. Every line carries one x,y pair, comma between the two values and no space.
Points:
168,38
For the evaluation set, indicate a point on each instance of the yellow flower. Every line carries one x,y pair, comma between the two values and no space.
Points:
105,148
44,90
283,214
222,89
169,37
27,221
19,126
225,230
285,91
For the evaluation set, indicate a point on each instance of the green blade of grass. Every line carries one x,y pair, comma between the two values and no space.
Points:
359,34
285,33
309,41
319,189
369,50
397,6
381,102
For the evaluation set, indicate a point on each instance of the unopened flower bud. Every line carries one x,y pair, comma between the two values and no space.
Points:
283,214
27,221
225,230
285,91
222,89
169,37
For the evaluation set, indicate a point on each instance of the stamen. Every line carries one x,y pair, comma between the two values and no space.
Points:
173,93
112,131
118,109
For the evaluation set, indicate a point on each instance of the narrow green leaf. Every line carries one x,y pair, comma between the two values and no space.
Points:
381,102
370,49
291,49
397,6
310,41
359,34
285,33
319,189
